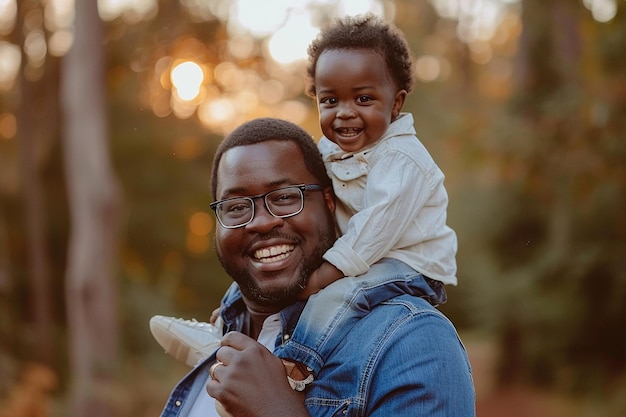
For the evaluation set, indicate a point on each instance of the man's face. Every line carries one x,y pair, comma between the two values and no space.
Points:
271,258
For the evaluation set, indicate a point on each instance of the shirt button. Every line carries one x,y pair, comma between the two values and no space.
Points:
178,403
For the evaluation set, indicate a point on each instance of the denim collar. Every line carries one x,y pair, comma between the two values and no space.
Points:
234,312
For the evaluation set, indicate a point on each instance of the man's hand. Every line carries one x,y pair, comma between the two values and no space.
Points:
251,381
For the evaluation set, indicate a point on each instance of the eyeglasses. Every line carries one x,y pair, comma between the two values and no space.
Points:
283,202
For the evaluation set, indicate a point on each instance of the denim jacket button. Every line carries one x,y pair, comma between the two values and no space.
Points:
178,403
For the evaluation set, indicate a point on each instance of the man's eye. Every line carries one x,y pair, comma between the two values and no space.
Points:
236,209
286,198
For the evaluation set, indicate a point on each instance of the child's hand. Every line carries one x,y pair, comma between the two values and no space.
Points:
214,315
312,286
322,277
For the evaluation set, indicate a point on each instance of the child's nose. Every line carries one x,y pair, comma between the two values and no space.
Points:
345,111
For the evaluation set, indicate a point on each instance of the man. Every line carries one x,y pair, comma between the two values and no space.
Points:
275,208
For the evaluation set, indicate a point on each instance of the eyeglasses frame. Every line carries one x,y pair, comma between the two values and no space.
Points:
301,187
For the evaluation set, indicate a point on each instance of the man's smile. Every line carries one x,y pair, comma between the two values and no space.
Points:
273,253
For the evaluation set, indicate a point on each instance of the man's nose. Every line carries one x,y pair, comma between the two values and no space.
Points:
263,220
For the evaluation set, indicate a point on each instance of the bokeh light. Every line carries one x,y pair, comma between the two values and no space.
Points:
8,126
290,43
59,15
132,11
217,112
197,245
259,18
36,48
10,61
477,19
198,239
602,10
8,14
241,47
287,23
60,42
200,223
427,68
352,7
187,78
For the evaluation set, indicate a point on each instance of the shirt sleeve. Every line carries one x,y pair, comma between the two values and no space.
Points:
398,187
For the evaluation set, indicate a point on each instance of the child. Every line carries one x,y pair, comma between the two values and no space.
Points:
392,202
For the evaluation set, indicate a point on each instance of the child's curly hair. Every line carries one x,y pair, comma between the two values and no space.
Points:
364,32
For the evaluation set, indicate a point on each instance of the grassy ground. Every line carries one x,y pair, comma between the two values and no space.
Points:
524,401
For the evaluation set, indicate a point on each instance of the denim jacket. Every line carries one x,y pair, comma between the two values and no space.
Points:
404,358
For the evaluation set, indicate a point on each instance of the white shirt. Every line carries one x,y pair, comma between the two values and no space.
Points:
392,203
204,405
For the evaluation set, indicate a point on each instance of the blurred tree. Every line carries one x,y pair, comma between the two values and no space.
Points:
36,124
94,204
561,232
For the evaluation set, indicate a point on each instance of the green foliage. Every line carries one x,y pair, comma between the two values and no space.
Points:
546,266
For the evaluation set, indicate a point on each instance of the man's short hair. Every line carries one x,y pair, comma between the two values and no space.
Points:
265,129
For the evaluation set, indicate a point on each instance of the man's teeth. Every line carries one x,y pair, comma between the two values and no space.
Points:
274,253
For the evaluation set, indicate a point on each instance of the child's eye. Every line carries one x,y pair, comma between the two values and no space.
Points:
329,100
363,99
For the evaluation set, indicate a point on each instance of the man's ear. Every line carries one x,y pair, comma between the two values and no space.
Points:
329,199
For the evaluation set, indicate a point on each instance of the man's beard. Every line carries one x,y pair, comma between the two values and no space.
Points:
281,297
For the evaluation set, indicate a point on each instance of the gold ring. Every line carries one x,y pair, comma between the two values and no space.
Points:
213,367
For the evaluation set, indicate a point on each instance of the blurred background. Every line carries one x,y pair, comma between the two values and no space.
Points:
110,113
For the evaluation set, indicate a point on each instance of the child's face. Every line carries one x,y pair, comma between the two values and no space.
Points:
356,97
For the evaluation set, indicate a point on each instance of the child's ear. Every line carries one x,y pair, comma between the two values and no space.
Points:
398,103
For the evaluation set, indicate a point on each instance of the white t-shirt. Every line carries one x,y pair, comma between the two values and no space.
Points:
204,406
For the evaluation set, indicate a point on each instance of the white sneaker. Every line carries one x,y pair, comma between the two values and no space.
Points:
189,341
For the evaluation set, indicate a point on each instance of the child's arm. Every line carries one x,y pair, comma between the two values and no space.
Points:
322,277
400,185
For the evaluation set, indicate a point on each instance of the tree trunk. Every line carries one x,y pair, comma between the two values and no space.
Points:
550,55
36,124
94,200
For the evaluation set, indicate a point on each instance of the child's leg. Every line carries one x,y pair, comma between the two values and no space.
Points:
329,313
